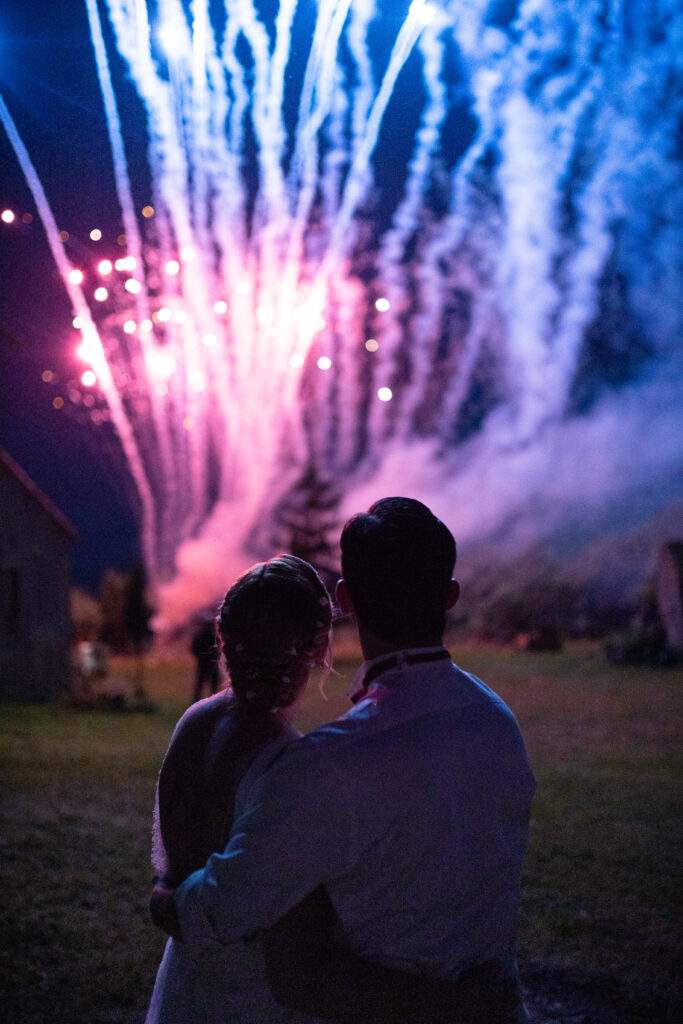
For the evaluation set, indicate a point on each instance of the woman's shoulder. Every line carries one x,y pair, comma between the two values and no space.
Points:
207,710
200,720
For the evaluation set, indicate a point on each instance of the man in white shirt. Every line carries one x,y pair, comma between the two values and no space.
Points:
412,810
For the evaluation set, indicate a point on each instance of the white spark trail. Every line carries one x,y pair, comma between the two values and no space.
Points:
537,171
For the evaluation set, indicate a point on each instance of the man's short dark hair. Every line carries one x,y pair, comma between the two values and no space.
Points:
397,560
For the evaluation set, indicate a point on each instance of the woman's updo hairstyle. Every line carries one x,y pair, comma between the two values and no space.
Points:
271,624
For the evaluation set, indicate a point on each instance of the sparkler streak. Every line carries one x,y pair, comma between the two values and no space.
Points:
232,351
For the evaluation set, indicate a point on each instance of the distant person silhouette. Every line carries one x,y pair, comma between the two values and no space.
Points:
207,655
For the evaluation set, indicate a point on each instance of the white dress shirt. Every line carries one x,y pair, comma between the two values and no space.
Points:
412,809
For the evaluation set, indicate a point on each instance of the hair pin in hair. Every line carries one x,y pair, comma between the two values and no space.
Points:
285,679
324,601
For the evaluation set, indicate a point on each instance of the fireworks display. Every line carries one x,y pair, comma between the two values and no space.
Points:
381,236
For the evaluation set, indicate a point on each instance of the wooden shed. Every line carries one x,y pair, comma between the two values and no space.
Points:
669,591
35,568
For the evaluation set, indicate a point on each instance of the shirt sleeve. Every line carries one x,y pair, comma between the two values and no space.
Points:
297,830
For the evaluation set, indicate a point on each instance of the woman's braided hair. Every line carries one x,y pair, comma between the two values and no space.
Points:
271,624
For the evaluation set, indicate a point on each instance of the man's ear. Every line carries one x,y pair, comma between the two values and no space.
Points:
453,594
343,598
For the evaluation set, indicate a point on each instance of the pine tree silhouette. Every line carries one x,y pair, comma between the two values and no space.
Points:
307,522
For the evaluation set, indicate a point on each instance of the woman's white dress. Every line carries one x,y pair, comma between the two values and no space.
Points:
221,984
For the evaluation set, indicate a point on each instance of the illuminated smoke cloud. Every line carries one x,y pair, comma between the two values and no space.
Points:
433,248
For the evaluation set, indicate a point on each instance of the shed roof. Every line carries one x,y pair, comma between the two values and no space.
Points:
48,506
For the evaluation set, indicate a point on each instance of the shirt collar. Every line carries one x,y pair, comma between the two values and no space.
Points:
369,671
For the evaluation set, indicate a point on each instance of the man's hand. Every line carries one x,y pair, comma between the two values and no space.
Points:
163,911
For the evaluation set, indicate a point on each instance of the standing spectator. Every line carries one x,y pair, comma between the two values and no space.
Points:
207,654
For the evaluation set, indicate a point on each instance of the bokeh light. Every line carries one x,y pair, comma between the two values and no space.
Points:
7,216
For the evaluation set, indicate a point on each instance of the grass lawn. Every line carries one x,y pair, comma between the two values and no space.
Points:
599,941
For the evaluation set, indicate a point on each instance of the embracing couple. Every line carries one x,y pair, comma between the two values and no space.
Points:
369,871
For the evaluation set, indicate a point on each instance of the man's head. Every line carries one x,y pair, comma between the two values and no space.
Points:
397,562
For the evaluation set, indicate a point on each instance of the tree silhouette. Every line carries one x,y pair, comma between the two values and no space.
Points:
113,592
307,522
138,614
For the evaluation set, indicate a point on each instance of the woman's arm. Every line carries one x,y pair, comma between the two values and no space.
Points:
171,807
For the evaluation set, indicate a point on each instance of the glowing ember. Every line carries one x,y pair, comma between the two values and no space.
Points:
161,363
89,349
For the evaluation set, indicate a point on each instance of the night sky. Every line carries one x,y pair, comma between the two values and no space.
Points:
48,78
